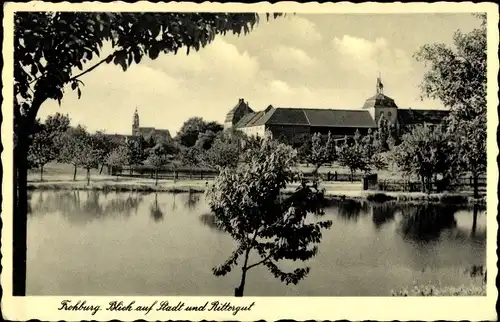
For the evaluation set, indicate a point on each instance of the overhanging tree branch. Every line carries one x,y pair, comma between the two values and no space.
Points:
93,67
260,262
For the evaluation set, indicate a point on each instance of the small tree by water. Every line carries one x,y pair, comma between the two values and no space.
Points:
117,158
249,205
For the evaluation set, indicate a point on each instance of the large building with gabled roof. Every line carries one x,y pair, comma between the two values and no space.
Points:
293,124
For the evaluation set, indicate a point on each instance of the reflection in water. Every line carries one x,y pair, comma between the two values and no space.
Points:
356,256
155,211
475,210
382,214
192,200
209,220
81,207
174,207
349,209
426,222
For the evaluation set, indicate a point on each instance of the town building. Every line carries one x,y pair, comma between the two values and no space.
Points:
293,124
147,132
137,131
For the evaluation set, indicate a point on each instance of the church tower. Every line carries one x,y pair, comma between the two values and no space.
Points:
381,106
135,124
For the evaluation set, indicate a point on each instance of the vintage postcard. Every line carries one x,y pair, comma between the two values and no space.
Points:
248,162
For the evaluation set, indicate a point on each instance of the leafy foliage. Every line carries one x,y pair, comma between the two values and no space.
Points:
91,154
44,148
197,131
457,75
192,156
425,152
352,154
248,205
225,151
433,290
135,151
71,145
118,157
322,151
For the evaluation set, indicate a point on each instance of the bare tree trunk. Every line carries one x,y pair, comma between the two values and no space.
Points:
102,167
74,173
238,292
476,186
474,221
23,127
41,172
88,176
156,177
20,215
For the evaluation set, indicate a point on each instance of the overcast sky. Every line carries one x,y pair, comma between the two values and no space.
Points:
316,61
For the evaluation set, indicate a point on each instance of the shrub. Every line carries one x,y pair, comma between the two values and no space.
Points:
379,197
433,290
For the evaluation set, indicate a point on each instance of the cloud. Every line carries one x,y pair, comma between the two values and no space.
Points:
219,61
296,30
285,57
369,57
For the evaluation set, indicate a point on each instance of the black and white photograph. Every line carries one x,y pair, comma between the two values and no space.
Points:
249,154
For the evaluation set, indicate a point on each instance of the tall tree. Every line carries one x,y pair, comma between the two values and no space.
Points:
352,155
71,144
91,154
267,226
135,152
426,152
117,158
41,149
456,76
157,159
226,151
469,141
191,130
103,145
322,151
44,147
47,51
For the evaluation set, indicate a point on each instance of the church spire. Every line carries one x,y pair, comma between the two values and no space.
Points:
135,123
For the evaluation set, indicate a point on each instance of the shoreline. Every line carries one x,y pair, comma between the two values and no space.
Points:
333,191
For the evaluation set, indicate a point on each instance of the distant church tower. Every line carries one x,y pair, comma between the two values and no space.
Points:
135,123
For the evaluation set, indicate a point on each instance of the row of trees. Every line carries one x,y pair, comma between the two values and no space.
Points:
56,140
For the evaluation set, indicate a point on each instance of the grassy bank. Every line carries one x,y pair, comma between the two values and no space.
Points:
333,190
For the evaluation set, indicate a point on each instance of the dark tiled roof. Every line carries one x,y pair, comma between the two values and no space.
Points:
411,116
294,116
339,118
230,114
244,120
117,138
311,117
379,100
146,130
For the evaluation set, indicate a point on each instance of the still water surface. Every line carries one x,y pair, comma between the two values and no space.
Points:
95,243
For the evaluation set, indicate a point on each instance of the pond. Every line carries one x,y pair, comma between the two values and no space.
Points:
96,243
